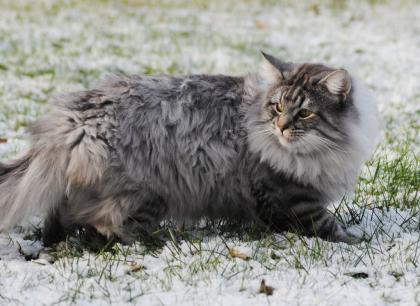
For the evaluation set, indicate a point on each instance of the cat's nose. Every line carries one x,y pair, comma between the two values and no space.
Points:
283,123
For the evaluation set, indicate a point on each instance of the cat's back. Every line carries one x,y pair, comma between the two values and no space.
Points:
178,106
192,91
183,132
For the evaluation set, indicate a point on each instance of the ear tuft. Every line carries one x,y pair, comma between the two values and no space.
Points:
273,69
270,74
337,82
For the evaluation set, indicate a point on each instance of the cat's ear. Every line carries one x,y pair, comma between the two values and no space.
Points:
273,69
337,82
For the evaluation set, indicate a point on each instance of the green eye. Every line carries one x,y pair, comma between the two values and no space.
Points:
304,113
279,107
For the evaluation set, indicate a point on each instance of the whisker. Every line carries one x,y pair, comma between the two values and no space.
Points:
319,142
332,144
261,133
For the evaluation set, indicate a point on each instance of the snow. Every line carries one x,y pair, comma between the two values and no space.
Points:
52,47
391,270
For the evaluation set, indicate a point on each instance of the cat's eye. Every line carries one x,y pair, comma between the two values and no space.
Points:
279,107
304,113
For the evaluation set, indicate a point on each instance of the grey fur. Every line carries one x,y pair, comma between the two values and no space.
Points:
140,149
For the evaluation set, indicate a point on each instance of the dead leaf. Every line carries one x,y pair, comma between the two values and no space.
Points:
235,253
315,8
396,274
357,274
3,140
264,288
260,24
135,267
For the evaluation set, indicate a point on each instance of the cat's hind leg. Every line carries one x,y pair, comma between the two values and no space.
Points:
144,220
54,231
123,216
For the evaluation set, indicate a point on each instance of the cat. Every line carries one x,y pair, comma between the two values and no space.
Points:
272,148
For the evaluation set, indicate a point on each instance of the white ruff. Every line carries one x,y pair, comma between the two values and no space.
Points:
332,171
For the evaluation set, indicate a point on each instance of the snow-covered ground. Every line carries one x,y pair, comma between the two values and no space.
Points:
48,47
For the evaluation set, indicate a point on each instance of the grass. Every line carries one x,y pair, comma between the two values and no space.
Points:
60,46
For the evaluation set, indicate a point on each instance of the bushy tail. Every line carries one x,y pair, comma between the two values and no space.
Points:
66,151
29,185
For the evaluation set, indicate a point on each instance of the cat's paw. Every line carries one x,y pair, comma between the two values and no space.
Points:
351,235
354,234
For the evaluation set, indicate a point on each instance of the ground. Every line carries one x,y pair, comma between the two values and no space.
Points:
48,47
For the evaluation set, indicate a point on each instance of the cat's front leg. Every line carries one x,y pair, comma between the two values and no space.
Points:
301,213
313,220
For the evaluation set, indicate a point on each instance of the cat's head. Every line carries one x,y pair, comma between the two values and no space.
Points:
305,106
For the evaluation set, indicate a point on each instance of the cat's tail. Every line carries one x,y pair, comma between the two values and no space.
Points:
30,184
67,153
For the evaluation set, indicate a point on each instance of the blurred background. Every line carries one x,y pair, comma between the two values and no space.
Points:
48,47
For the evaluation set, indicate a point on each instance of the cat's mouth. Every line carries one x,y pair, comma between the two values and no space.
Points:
289,137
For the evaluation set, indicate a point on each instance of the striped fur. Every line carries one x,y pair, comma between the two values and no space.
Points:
139,149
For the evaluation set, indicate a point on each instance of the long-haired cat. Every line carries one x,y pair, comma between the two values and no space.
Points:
273,148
